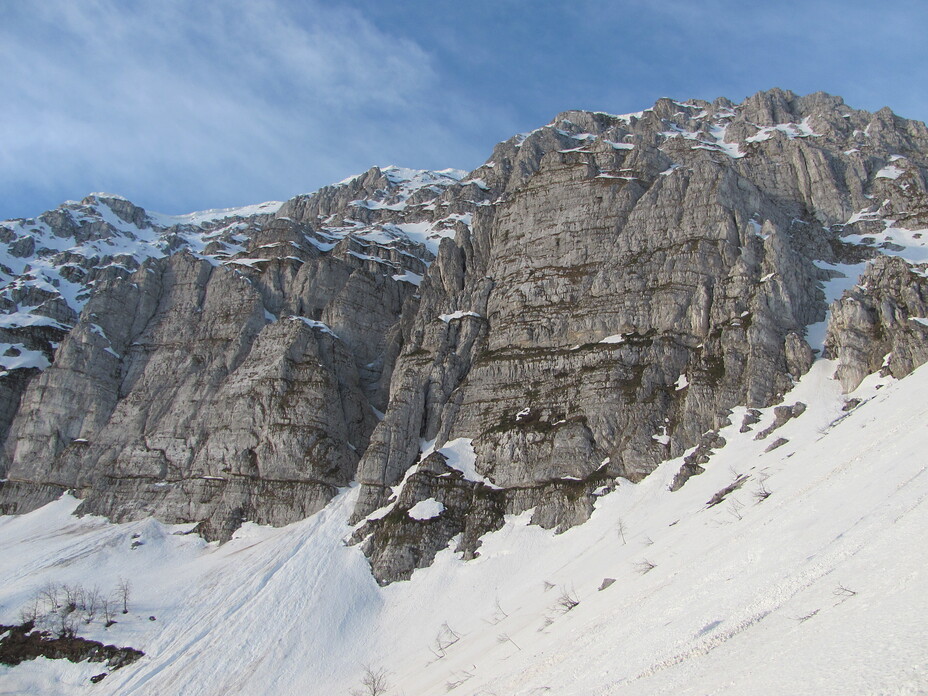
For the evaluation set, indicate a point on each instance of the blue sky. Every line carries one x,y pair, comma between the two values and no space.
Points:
185,105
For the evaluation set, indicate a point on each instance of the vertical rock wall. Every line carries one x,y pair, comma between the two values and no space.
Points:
590,302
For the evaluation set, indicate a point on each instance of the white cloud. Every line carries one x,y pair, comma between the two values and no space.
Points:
218,101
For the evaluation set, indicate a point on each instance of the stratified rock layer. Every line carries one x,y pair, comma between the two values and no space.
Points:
590,302
241,384
635,279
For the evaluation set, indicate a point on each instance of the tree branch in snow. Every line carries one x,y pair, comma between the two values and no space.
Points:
567,600
373,683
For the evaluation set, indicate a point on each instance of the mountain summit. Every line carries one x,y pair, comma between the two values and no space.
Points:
606,297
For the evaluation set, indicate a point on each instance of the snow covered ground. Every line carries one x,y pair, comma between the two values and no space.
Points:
819,588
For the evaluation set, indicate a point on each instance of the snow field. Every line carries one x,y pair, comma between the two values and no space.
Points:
817,589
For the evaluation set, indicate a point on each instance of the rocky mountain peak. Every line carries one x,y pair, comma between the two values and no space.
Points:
594,299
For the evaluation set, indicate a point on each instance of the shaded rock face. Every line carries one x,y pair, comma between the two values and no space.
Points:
881,324
241,384
186,393
397,542
590,302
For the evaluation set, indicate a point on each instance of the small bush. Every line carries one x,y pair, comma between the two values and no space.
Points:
567,600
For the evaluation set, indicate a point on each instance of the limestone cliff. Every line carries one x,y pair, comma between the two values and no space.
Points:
590,302
635,278
231,365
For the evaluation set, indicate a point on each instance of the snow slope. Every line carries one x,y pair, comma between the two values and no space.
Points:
818,589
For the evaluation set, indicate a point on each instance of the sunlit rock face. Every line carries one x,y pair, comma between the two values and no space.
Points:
590,302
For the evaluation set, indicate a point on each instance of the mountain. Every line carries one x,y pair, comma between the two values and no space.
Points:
613,329
284,327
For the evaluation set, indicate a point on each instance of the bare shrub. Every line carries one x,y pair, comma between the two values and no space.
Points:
73,598
734,508
499,614
50,597
32,611
644,566
458,678
66,624
373,683
92,599
108,609
123,591
444,639
60,608
762,492
803,619
567,600
843,593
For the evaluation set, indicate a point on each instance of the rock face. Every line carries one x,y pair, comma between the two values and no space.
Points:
237,375
880,324
636,278
593,300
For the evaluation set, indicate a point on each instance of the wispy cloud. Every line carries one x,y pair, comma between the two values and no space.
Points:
181,104
203,103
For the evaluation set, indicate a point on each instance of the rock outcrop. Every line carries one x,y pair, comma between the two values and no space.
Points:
236,375
636,278
593,300
881,323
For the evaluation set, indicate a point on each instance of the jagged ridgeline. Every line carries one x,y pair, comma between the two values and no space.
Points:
590,302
